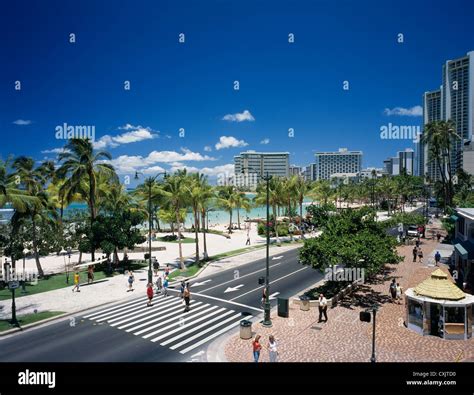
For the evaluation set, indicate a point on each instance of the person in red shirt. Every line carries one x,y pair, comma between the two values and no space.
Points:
257,347
149,293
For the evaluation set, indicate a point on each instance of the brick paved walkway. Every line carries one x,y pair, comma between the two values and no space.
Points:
345,338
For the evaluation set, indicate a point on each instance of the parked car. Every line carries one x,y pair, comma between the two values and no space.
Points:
412,231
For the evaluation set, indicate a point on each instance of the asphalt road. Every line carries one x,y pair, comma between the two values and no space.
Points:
130,331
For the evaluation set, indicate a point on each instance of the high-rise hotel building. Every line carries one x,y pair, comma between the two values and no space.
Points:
453,101
340,162
250,166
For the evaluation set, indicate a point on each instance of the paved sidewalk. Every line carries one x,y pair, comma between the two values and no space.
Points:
344,338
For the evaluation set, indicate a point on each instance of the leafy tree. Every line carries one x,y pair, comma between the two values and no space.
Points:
352,238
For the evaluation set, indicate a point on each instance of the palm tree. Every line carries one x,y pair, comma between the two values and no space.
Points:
241,202
227,200
322,191
275,199
301,188
10,193
34,180
177,198
81,164
441,136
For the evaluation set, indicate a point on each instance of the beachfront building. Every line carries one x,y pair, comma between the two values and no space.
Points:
403,162
296,170
371,172
250,166
342,161
453,101
309,172
428,167
437,307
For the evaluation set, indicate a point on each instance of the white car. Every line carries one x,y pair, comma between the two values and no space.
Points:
412,231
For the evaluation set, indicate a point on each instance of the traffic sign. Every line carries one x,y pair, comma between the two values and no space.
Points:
13,284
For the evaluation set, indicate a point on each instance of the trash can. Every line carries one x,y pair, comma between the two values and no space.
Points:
245,329
283,307
304,303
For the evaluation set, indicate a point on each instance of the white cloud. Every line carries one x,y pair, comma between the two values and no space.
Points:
22,122
239,117
229,141
265,141
208,148
415,111
126,164
54,151
152,170
134,134
227,169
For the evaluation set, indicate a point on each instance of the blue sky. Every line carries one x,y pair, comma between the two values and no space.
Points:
282,85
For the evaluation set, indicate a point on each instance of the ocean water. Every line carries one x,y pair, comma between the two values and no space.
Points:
216,216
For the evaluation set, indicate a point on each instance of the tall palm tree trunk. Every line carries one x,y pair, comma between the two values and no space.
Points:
196,233
180,246
275,226
204,230
238,218
230,221
35,249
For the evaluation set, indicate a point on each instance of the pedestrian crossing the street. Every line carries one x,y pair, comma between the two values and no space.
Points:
167,324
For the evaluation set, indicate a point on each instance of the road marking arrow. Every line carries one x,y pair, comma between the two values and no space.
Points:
273,296
276,258
232,289
200,283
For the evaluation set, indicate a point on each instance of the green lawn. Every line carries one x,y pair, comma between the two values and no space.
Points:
191,270
28,319
186,240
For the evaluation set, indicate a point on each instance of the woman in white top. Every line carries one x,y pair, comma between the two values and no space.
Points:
272,348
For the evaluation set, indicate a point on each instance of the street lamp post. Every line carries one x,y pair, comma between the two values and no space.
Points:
266,317
150,181
23,283
374,312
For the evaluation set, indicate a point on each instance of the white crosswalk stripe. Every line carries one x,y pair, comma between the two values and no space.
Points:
166,323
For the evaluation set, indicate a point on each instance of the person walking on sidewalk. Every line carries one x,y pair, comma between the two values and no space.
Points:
131,279
159,285
323,307
420,255
257,347
272,349
76,281
399,292
165,286
167,270
149,293
187,298
264,297
437,258
90,274
156,266
415,253
393,290
181,289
